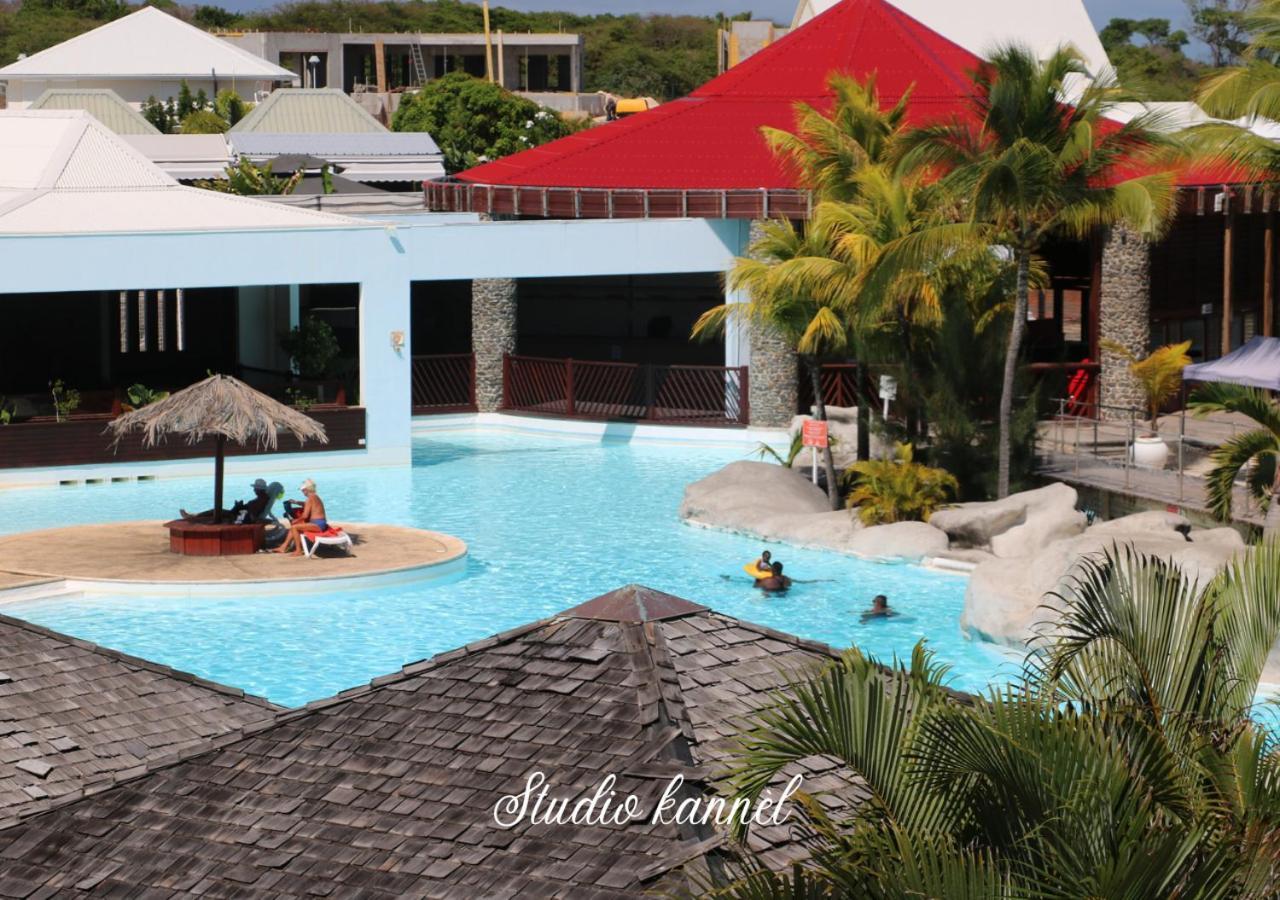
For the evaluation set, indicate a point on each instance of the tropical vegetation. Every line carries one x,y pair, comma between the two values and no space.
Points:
1031,168
1159,374
882,491
474,121
817,327
248,179
1249,455
1127,760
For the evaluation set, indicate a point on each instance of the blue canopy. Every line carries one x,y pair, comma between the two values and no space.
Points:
1256,364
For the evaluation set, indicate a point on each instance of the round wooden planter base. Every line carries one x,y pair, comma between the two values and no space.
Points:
199,539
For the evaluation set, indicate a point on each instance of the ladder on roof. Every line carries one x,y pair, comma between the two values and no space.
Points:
419,63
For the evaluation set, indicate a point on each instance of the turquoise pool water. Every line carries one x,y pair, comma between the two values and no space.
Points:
550,522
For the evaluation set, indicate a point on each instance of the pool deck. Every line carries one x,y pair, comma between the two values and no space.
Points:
138,553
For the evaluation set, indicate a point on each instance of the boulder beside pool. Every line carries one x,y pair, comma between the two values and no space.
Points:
1019,525
1008,598
774,503
749,497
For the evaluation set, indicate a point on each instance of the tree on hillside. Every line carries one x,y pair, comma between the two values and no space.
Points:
212,18
1032,168
474,121
1221,24
1149,58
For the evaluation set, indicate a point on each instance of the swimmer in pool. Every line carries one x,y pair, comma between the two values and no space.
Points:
776,582
879,609
764,563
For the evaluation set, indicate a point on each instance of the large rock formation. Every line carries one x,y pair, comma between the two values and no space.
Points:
1008,597
1016,526
774,503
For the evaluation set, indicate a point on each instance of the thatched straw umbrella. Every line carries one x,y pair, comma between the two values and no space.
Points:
225,408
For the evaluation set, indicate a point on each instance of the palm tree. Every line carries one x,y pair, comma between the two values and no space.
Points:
1033,167
1123,762
1253,453
1247,91
776,278
826,151
905,302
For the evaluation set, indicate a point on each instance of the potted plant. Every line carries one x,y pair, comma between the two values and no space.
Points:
1160,377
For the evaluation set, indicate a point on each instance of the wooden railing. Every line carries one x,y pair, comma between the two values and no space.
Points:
444,383
572,388
81,440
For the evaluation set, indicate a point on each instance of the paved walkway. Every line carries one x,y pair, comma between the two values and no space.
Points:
1161,486
139,552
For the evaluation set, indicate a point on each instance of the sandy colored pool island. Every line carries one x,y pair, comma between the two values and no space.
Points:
137,553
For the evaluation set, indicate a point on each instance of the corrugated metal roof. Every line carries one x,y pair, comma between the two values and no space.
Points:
981,25
387,156
711,139
146,44
386,143
185,156
309,111
63,172
103,104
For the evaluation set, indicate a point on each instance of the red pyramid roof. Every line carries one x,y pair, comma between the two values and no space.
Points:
711,139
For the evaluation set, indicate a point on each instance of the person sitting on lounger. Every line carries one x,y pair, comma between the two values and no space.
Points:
879,609
310,521
242,513
776,582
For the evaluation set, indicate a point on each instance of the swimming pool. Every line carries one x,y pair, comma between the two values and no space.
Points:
550,522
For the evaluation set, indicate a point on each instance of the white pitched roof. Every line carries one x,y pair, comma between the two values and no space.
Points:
981,25
145,44
63,172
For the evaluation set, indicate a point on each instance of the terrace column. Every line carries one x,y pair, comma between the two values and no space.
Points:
493,335
1124,316
774,389
385,368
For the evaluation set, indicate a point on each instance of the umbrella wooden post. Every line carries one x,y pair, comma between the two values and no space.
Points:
227,410
217,480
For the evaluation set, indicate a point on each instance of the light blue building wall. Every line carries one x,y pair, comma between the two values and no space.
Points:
384,259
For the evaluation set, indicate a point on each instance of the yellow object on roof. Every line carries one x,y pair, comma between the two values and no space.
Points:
632,106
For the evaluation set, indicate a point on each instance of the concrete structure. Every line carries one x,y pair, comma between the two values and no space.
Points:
91,232
384,62
147,53
1126,317
493,335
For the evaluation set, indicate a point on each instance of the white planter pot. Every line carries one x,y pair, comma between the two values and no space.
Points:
1149,452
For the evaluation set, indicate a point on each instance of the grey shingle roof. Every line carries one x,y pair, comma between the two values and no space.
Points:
389,789
103,104
308,110
74,717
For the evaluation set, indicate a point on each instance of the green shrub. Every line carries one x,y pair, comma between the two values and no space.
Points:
312,346
897,490
65,400
139,395
204,121
474,121
229,106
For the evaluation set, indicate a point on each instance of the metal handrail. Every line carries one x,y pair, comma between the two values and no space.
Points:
1094,432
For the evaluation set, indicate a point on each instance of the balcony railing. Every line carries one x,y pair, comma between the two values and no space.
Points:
444,383
573,388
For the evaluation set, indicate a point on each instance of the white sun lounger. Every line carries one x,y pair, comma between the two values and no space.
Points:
334,537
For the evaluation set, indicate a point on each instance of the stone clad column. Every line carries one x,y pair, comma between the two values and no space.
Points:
493,335
773,386
1125,316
